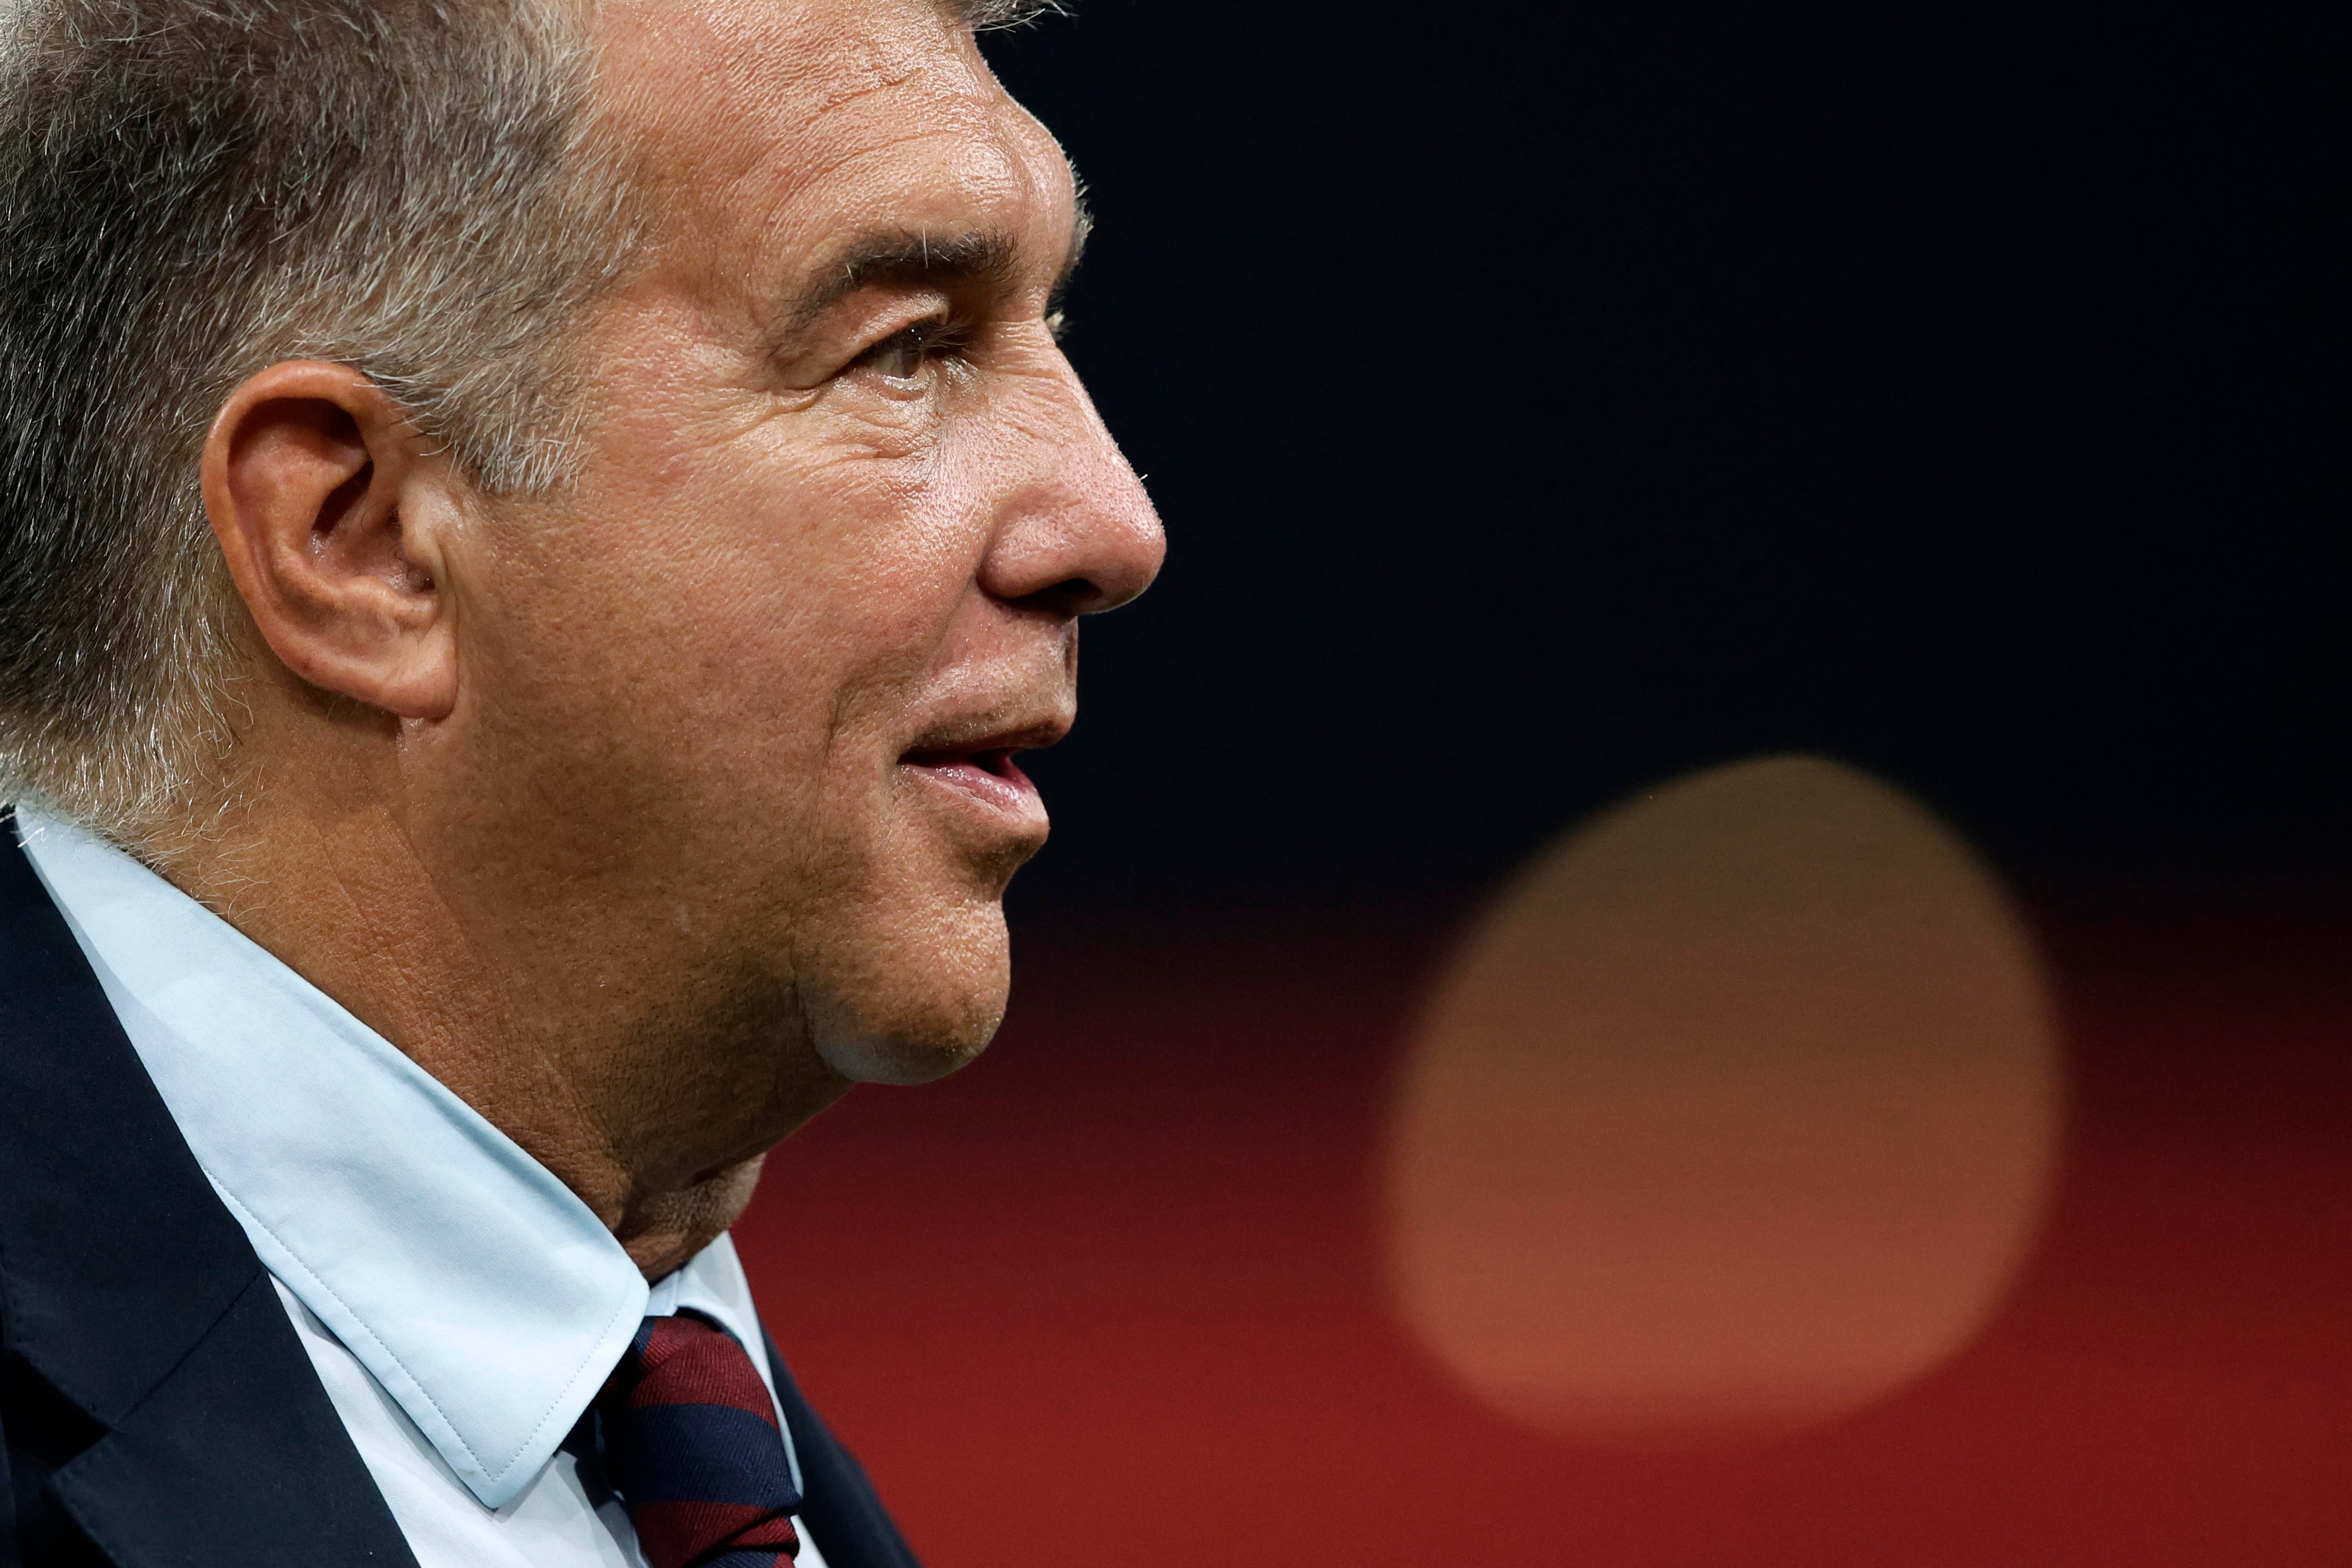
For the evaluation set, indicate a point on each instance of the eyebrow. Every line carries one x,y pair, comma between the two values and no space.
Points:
902,255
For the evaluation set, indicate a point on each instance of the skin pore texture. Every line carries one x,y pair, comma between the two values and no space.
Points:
651,815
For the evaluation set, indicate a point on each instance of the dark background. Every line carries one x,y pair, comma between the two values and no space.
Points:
1546,400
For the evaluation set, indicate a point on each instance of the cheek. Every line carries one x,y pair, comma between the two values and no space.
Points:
732,626
764,601
817,560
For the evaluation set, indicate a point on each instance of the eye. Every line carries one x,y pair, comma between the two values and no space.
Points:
900,355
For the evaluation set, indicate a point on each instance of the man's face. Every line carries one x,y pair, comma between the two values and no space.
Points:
749,687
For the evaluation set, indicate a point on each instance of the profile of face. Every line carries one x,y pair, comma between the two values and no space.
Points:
757,677
650,811
752,685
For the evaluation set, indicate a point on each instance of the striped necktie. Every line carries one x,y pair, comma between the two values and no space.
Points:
690,1443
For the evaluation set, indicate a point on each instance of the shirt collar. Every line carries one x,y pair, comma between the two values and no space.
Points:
485,1296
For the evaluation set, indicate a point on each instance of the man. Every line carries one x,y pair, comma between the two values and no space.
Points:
532,534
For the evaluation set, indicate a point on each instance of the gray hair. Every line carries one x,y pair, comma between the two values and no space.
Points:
193,190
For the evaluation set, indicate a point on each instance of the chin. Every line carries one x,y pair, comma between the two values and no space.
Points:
901,1062
926,1000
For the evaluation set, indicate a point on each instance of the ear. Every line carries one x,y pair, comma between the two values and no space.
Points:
330,516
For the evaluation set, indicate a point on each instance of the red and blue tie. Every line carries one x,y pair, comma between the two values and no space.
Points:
690,1443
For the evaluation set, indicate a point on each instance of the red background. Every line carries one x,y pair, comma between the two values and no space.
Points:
1113,1295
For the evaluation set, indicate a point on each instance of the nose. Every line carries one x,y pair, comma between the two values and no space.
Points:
1078,535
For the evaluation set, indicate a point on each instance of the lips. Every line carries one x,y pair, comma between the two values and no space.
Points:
969,756
987,774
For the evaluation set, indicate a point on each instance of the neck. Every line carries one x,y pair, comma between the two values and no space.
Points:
578,1047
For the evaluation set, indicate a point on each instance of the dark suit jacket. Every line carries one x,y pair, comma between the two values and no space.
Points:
154,1403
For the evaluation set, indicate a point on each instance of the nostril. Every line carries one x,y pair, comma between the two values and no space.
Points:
1067,551
1067,600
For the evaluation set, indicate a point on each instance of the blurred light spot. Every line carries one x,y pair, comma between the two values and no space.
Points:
1736,1112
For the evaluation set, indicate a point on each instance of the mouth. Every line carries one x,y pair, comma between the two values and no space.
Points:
987,774
969,760
972,763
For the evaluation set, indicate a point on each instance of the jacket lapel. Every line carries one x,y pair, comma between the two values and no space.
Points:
847,1520
130,1290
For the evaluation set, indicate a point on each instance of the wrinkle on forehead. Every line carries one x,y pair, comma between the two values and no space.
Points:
778,70
713,39
736,107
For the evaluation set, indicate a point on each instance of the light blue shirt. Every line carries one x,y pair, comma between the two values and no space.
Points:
483,1299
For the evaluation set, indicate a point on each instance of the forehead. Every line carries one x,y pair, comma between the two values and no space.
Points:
776,124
